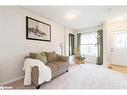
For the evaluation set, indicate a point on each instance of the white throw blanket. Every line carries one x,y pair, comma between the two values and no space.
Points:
44,71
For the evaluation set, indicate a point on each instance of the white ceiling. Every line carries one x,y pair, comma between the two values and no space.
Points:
88,16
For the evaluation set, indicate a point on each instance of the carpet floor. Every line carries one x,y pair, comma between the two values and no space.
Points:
84,76
88,76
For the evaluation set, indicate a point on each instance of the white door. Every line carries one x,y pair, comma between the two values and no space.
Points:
119,48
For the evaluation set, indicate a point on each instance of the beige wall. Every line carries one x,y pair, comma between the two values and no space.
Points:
14,46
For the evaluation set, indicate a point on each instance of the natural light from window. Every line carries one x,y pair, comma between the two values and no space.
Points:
88,44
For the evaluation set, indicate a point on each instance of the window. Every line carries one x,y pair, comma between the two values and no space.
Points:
88,44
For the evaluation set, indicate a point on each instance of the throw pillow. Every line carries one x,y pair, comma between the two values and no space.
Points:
51,56
33,55
41,58
43,54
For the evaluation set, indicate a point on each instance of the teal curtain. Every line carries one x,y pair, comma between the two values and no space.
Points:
78,40
100,47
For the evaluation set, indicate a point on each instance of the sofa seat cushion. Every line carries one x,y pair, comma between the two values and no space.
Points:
52,66
60,64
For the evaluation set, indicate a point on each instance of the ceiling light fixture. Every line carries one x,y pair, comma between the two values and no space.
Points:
72,14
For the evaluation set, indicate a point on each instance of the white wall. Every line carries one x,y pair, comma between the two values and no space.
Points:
106,45
116,15
90,29
13,44
108,28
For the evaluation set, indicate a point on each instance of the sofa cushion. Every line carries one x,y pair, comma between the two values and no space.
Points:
41,57
51,56
60,64
52,66
43,54
33,55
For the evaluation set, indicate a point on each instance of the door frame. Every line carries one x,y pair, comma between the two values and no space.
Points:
69,42
111,42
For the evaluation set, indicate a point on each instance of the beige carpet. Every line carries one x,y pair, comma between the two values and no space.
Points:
84,76
88,76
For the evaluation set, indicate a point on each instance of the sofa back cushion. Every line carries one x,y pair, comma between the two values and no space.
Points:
33,55
51,56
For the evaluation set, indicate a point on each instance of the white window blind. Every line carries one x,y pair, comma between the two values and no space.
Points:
88,44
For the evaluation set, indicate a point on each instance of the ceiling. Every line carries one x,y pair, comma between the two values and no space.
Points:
88,16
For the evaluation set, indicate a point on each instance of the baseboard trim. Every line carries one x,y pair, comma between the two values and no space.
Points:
12,80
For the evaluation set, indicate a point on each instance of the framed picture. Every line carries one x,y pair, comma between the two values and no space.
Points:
37,30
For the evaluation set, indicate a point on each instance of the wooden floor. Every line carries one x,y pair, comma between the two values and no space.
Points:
19,85
122,69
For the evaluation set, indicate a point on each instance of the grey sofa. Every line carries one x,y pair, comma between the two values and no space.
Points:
57,63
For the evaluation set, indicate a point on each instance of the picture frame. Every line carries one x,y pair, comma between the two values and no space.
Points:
37,30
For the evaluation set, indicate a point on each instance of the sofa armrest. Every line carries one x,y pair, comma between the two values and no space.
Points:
62,58
35,75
